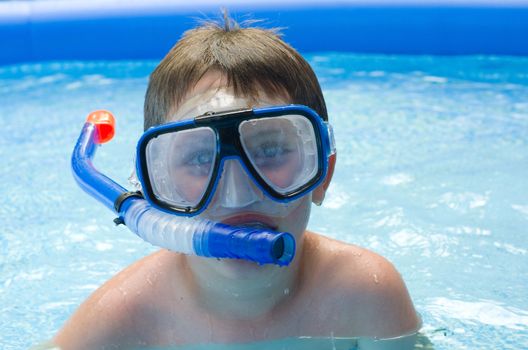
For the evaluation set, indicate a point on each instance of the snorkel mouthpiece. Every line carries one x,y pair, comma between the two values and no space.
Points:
180,234
261,246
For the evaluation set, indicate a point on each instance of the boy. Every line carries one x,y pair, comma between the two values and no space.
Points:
329,289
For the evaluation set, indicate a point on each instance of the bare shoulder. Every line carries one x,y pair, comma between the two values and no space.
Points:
111,316
365,288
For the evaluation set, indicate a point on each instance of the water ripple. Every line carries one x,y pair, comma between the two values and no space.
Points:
486,311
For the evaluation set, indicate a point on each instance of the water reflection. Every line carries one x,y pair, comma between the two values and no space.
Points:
420,341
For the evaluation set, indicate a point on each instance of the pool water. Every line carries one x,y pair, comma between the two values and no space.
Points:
432,173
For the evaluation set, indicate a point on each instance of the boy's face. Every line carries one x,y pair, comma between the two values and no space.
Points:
238,200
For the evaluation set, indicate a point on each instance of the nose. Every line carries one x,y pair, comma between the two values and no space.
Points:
235,188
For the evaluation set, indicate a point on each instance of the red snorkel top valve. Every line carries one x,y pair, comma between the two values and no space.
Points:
104,123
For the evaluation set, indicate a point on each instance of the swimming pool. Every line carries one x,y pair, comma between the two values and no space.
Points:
431,173
433,178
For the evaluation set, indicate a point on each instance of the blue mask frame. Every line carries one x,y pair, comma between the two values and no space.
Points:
225,126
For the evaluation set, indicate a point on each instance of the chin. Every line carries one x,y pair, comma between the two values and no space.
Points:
241,269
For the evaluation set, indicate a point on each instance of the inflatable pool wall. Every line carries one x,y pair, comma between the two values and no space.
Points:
109,30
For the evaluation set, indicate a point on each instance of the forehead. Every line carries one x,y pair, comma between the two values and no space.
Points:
212,93
210,80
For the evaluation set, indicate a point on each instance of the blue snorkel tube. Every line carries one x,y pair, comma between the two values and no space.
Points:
180,234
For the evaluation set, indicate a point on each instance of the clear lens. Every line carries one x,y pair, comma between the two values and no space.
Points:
180,165
283,150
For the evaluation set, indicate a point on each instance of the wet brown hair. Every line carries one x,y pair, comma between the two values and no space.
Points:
252,59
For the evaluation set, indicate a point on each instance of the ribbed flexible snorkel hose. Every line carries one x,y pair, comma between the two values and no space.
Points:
180,234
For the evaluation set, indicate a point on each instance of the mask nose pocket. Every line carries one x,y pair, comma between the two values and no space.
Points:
236,189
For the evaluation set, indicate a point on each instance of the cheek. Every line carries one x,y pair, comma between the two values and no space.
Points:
190,187
297,220
285,175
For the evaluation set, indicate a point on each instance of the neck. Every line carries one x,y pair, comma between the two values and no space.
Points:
243,290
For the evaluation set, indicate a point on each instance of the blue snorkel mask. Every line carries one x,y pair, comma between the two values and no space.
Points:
283,149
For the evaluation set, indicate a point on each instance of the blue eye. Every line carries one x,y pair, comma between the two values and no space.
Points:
199,162
271,154
200,158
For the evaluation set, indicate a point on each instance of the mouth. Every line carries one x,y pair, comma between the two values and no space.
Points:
257,225
251,220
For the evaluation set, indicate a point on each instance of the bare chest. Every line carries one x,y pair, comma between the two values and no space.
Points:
185,324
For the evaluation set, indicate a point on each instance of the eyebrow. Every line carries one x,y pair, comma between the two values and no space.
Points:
259,134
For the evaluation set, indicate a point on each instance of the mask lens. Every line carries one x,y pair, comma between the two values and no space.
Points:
180,165
283,150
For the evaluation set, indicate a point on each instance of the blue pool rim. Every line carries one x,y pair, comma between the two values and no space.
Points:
32,31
